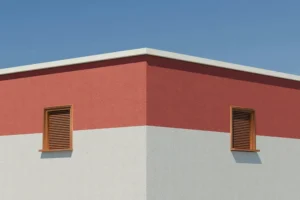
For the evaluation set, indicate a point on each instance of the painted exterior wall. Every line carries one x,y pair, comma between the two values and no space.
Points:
104,95
149,90
193,96
194,164
149,163
139,162
105,164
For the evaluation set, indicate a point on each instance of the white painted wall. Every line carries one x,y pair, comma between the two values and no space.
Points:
107,164
192,165
153,163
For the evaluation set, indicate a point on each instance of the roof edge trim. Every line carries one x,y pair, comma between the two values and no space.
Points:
225,65
152,52
73,61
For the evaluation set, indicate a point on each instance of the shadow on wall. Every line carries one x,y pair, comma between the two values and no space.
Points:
59,154
222,72
246,157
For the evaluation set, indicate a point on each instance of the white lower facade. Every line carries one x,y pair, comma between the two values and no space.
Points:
192,165
146,162
106,164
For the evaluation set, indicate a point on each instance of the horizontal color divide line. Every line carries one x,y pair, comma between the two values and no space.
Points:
145,126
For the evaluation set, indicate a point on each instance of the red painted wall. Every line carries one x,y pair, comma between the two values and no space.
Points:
104,94
193,96
149,90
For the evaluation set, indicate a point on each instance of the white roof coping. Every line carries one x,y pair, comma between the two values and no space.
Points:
152,52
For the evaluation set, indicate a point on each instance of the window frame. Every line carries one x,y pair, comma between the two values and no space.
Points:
252,129
45,144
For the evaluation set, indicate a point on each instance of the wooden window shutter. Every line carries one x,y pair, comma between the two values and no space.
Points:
243,136
57,129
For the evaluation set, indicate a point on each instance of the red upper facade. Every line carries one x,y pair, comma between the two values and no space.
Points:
147,89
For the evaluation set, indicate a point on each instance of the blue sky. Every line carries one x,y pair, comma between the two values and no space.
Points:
264,34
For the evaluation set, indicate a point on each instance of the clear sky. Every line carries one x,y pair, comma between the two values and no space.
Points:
259,33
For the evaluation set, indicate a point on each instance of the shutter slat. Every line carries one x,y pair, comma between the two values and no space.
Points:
59,121
241,142
58,147
62,137
62,146
240,122
59,117
54,139
58,130
241,138
59,143
241,128
65,146
58,135
59,127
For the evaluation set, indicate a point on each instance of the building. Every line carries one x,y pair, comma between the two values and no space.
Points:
148,125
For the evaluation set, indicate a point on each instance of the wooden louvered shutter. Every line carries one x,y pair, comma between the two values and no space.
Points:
58,129
243,129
